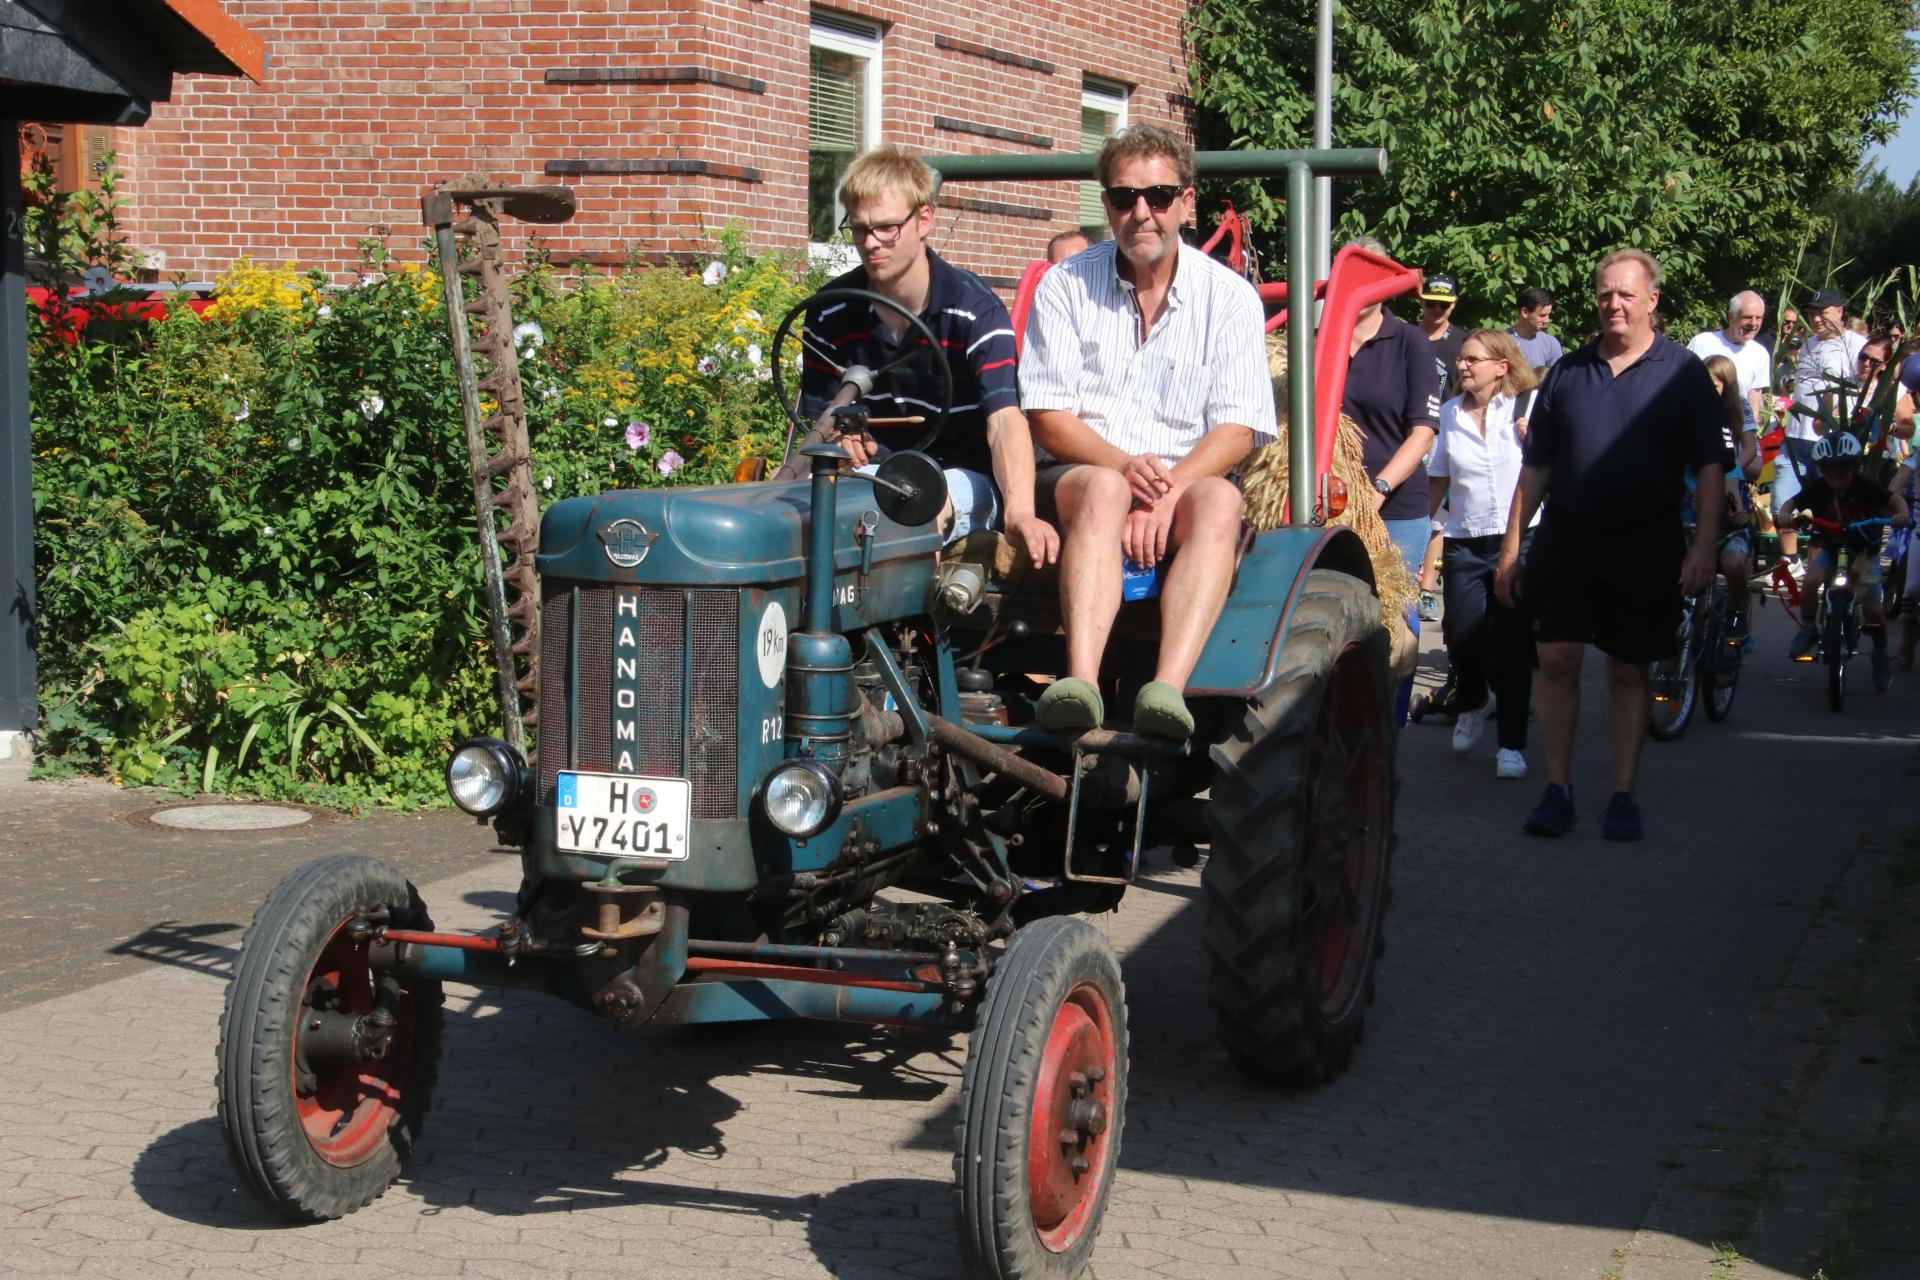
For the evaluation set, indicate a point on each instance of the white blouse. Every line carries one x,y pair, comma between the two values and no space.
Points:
1481,471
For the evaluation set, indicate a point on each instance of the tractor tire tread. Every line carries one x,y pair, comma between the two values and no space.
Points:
254,1104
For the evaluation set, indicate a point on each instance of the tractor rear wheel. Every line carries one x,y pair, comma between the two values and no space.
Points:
325,1065
1042,1101
1302,827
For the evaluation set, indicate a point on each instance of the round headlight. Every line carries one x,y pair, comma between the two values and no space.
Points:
484,776
801,797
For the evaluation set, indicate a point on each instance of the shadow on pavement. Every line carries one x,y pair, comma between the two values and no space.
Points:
530,1118
185,946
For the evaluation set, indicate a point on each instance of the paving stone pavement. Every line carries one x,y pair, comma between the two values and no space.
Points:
1553,1018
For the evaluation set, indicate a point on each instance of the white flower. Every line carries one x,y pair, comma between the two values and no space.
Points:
609,422
547,483
324,311
551,391
707,364
206,617
243,412
753,354
293,442
371,405
266,531
714,274
528,335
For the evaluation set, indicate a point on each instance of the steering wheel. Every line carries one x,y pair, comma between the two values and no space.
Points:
798,422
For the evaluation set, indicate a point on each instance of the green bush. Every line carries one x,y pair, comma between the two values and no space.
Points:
254,532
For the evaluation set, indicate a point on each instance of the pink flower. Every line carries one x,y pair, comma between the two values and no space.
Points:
638,433
670,462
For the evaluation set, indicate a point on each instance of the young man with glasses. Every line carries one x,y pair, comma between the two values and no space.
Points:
1145,376
986,448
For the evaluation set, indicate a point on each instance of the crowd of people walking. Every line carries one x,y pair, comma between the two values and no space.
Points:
1578,498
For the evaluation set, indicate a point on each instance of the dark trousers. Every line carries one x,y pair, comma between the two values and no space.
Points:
1488,644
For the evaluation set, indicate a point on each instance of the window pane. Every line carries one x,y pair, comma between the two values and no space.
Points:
836,124
1094,128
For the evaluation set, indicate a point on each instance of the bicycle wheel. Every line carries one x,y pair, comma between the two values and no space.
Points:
1835,643
1720,676
1674,685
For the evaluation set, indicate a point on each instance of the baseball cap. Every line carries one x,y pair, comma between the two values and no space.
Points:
1824,298
1440,289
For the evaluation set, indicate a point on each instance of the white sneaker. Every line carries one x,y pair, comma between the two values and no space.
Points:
1510,764
1466,729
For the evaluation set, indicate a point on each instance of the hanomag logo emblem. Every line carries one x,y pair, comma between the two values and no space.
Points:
627,542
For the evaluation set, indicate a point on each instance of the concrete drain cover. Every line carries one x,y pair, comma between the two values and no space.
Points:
229,817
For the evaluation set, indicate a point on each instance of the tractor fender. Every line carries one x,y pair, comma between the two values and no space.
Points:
1242,653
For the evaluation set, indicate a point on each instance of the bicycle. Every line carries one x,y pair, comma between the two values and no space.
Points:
1837,611
1704,668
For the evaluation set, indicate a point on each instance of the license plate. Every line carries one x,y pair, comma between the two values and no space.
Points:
616,815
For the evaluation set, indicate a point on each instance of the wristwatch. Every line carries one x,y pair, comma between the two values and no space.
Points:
1382,488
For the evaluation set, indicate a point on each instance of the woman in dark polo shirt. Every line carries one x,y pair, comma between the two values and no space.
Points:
1393,395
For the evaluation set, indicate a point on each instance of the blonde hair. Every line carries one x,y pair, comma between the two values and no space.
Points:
887,170
1729,375
1501,346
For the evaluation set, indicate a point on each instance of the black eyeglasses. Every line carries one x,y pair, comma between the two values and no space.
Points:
885,233
1159,199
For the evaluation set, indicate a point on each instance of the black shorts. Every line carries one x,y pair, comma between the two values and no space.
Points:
1615,587
1046,480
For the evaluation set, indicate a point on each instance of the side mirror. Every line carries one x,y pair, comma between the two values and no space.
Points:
910,488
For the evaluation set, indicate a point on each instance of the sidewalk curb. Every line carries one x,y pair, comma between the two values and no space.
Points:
1785,1160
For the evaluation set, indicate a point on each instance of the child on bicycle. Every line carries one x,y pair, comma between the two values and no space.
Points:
1736,516
1841,497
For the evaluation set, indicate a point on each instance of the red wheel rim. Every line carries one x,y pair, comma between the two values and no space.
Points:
1346,833
346,1108
1072,1118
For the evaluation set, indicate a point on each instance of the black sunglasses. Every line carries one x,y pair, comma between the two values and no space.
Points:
1159,199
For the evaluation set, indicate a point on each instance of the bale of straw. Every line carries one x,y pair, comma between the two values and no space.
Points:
1266,489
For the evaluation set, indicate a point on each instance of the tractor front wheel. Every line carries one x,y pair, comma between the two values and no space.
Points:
325,1065
1302,831
1042,1100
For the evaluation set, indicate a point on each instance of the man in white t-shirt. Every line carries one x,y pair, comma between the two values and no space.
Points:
1831,352
1746,314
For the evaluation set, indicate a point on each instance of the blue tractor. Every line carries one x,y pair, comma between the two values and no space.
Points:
762,712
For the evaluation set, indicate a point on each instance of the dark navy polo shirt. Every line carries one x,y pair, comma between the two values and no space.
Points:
1618,449
972,327
1393,385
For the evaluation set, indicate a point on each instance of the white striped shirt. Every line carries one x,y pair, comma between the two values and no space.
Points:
1203,365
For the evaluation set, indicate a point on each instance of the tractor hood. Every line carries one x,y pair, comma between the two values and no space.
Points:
725,534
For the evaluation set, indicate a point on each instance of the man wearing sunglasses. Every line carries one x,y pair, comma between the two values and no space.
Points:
888,196
1145,377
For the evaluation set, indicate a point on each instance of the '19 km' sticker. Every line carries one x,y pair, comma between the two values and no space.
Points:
770,646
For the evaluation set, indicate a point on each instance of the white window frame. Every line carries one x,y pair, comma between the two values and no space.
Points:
1108,97
858,38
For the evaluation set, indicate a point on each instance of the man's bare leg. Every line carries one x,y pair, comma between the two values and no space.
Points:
1630,706
1206,527
1093,503
1558,691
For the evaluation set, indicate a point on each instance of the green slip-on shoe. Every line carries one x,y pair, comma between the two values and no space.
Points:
1160,711
1070,704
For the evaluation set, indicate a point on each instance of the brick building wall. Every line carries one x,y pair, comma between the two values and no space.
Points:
670,119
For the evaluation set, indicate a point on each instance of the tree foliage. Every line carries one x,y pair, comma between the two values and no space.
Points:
1869,228
1525,139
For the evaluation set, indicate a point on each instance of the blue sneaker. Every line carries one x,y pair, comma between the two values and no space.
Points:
1621,821
1553,816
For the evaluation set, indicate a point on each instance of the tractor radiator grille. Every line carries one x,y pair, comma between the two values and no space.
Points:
655,677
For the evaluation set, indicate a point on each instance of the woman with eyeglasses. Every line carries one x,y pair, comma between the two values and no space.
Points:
1474,470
